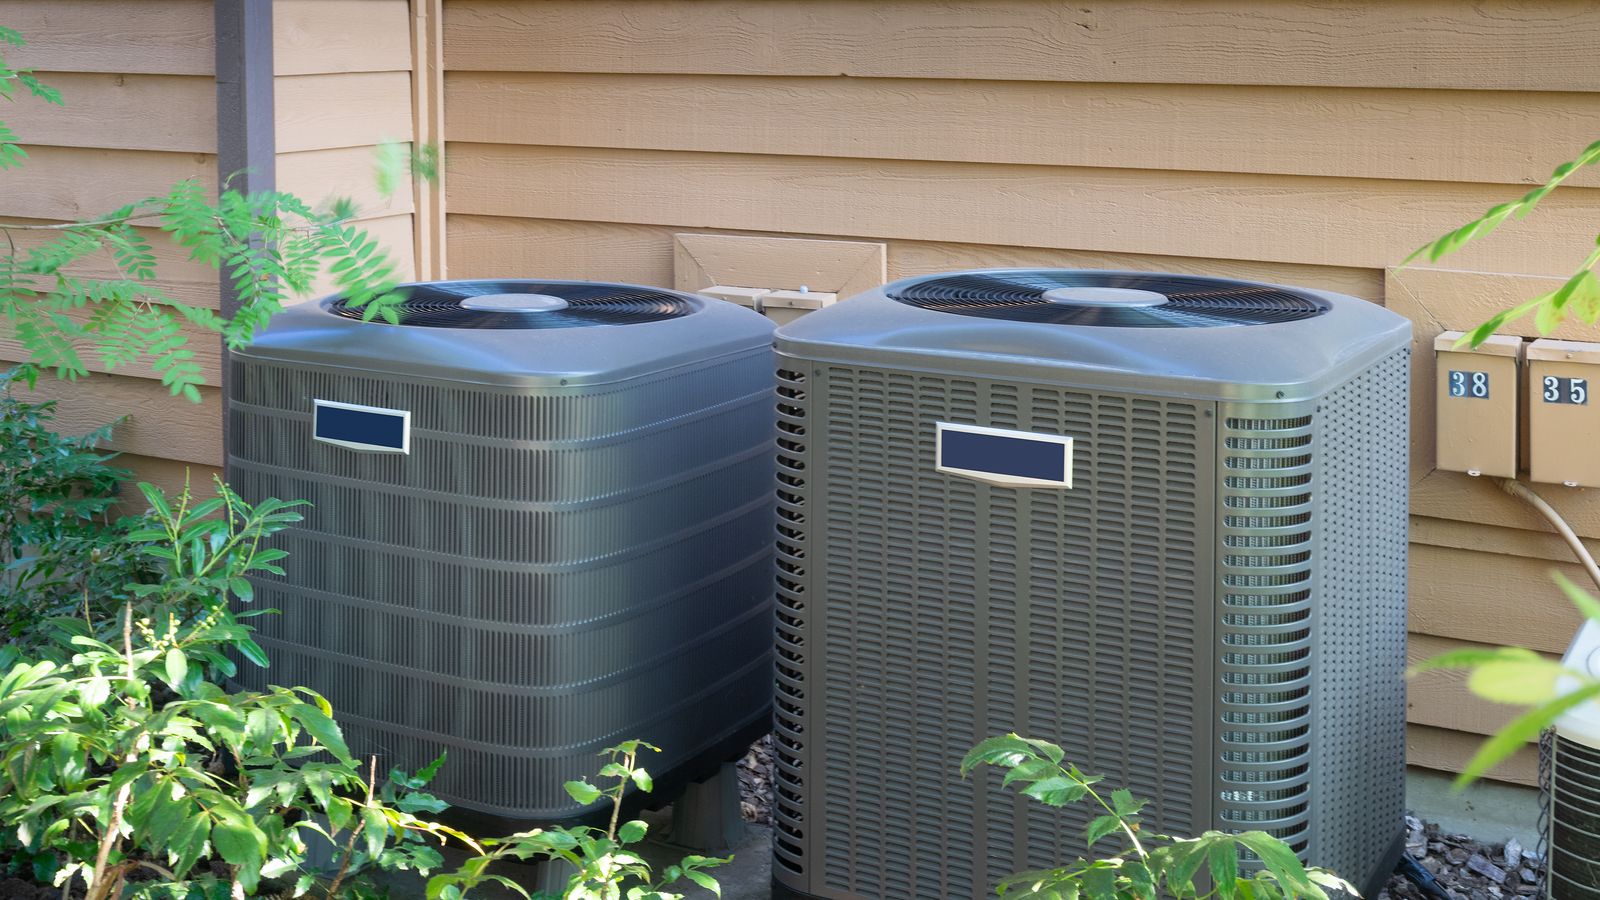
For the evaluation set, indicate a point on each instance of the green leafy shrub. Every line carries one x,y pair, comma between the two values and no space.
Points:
604,867
127,769
124,756
57,546
1143,867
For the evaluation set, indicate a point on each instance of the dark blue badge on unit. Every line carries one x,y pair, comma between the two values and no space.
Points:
361,427
1001,456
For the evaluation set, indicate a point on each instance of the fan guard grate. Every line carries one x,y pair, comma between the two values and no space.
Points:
447,304
1191,301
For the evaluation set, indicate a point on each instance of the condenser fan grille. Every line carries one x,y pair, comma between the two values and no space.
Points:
534,305
1122,300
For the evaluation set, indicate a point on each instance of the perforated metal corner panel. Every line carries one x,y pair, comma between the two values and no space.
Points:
1311,620
920,613
546,573
1575,821
1359,653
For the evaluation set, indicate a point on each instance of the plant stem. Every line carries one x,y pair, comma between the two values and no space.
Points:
616,799
349,846
101,887
1121,822
68,226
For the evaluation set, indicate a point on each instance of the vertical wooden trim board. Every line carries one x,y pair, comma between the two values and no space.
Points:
246,144
427,108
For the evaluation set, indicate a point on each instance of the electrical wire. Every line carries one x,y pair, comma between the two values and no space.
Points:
1525,493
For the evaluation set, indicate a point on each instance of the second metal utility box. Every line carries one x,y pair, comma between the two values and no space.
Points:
1476,405
1563,425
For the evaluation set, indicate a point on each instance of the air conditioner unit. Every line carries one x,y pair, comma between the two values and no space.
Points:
1573,864
1160,519
540,525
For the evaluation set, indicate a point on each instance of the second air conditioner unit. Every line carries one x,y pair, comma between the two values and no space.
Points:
1159,519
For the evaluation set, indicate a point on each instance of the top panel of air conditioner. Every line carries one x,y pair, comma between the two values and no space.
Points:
1127,331
515,333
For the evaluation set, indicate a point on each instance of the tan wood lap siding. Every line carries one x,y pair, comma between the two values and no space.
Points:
139,114
1308,143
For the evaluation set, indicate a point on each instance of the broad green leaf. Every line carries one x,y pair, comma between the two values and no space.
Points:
641,778
1468,658
632,832
704,880
177,667
1099,883
1006,750
1521,682
1123,802
1055,791
1223,860
1029,770
374,831
1278,858
187,843
1184,859
323,729
1101,827
582,791
1522,730
239,842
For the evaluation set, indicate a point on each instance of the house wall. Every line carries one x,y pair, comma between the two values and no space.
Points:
137,77
1310,143
139,115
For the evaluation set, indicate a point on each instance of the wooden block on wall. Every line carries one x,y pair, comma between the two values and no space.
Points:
845,268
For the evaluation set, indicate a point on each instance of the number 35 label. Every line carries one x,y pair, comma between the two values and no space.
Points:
1469,384
1565,390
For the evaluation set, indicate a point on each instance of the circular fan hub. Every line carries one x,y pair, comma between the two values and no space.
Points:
515,302
1103,296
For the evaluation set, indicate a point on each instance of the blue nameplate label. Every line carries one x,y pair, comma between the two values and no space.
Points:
999,456
361,427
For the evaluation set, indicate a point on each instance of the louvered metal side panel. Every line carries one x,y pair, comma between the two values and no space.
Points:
1363,482
544,574
792,663
942,610
1266,595
1574,821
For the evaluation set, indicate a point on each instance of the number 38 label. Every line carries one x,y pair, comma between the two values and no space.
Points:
1566,390
1469,384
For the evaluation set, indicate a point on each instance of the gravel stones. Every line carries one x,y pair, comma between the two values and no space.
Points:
1467,869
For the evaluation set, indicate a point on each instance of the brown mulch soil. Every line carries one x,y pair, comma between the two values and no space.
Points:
17,889
755,782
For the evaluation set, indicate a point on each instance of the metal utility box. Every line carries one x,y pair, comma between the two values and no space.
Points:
1563,420
1476,406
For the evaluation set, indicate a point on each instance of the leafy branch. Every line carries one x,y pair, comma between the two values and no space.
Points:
1144,868
606,869
268,246
1579,294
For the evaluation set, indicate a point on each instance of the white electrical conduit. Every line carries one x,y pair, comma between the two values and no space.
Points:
1520,490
